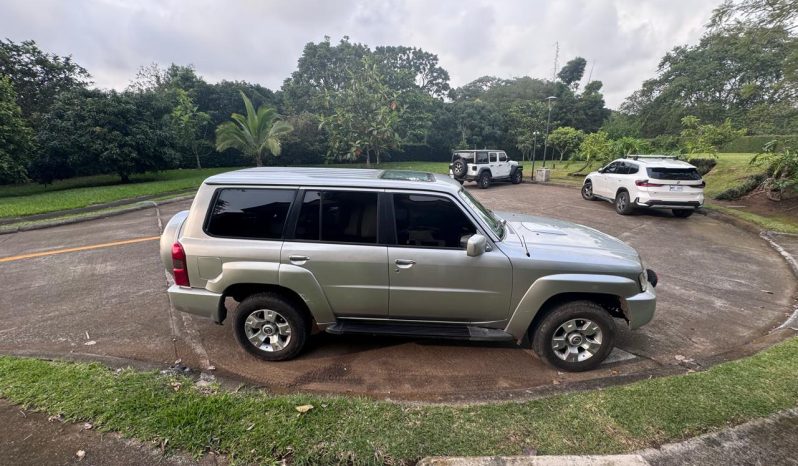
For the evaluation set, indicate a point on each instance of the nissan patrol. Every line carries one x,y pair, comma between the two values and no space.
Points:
305,250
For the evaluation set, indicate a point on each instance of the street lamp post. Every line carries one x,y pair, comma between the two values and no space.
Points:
550,98
534,151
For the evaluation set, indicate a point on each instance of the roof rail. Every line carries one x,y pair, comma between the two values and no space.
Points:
667,157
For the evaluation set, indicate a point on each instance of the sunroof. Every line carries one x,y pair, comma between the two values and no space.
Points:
407,175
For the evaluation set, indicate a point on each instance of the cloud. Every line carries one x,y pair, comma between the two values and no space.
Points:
260,41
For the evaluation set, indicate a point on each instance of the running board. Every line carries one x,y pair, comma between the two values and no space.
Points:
452,331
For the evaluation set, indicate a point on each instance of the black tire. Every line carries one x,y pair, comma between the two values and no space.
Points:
623,205
517,177
484,180
286,313
459,168
587,191
586,312
682,213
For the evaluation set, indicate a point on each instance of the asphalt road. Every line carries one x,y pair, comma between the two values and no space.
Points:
720,288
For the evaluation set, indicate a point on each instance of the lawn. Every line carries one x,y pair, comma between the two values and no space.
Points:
253,426
31,198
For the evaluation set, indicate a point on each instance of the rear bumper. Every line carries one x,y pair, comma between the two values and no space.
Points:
653,201
197,301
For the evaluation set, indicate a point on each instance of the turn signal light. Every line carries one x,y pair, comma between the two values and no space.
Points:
179,269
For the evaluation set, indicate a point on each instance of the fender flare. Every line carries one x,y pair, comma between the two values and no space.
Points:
550,286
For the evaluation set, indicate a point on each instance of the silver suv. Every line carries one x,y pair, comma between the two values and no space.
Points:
305,250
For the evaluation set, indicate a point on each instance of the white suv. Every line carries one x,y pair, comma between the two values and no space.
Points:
484,167
654,181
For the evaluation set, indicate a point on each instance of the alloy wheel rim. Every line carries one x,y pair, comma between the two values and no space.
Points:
577,340
587,190
267,330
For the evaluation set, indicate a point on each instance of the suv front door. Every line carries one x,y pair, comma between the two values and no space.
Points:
605,183
431,276
335,238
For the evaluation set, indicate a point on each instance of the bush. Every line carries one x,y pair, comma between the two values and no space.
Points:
748,184
756,144
702,164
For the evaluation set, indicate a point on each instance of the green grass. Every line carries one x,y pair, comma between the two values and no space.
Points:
253,426
31,199
777,223
731,171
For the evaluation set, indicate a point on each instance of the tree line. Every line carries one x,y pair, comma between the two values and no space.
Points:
349,102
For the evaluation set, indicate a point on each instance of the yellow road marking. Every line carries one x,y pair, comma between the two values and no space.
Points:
80,248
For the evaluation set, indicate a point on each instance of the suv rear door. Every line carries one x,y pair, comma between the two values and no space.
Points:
673,184
335,237
431,276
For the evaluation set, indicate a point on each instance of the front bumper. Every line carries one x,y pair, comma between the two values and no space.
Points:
197,301
639,309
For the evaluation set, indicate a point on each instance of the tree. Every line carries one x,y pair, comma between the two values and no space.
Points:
627,145
595,148
782,166
257,134
363,118
88,132
757,13
190,127
572,72
526,121
16,138
565,139
38,77
408,67
322,69
706,139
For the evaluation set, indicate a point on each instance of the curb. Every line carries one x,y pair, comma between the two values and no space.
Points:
91,215
598,460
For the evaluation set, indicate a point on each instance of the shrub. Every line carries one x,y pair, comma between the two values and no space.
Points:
702,164
747,185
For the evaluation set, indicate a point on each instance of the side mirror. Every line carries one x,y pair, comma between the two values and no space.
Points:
476,245
601,170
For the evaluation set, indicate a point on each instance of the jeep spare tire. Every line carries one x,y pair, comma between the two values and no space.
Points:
459,168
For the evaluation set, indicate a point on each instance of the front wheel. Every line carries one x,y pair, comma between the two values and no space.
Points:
484,180
587,191
575,336
622,203
270,327
682,213
517,176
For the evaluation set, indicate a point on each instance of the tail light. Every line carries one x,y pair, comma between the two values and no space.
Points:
702,185
646,184
179,265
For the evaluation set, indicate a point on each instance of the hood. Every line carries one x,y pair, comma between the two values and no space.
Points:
549,235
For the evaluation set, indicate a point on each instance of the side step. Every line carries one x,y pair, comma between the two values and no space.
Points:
418,330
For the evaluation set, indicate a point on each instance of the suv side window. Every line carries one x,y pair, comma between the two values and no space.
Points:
613,167
249,213
430,221
338,217
493,156
502,157
631,169
482,157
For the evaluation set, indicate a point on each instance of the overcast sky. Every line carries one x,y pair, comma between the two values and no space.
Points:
260,41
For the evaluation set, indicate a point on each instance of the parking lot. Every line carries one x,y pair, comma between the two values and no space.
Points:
96,290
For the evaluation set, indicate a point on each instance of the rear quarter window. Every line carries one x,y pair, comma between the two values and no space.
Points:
661,173
251,213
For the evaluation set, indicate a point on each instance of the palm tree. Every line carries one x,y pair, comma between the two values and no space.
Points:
256,134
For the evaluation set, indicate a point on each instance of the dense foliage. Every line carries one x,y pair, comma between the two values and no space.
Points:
347,101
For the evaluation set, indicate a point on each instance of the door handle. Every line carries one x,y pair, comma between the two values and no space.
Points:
404,263
298,260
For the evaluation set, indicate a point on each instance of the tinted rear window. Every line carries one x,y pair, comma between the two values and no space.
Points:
250,213
659,173
338,216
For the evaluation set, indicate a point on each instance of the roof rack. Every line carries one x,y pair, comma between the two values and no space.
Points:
667,157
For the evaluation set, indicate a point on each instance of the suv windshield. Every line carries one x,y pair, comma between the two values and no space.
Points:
487,216
661,173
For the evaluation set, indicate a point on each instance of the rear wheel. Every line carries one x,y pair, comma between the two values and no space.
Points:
622,203
517,176
575,336
270,327
459,168
682,213
484,180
